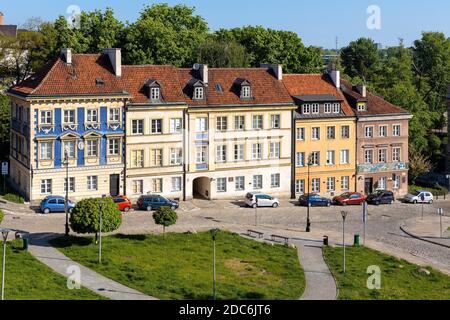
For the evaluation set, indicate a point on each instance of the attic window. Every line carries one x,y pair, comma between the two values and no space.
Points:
198,93
99,82
362,106
246,92
155,93
219,87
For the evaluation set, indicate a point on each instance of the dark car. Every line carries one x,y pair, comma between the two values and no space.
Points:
381,197
154,202
349,198
313,200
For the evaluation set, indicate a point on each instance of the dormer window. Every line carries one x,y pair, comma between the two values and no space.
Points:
246,92
155,93
362,106
336,107
306,108
153,90
198,93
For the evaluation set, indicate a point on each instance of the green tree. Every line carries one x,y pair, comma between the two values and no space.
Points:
164,35
4,125
222,54
165,216
85,217
361,59
418,164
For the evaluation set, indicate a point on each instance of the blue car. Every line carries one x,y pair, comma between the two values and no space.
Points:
55,204
314,200
154,202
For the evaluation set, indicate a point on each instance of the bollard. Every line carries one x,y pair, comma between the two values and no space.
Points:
356,240
325,240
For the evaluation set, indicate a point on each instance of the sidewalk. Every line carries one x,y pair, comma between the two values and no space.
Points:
429,229
40,248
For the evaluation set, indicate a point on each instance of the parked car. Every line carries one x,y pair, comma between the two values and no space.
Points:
349,198
381,197
261,200
123,203
56,204
314,200
154,202
420,196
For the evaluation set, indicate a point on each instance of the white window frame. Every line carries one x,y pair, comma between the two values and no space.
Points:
156,126
176,125
331,184
306,108
327,107
315,108
345,183
67,116
275,121
368,131
177,184
157,185
71,184
137,124
176,156
92,114
331,155
138,186
275,150
201,125
383,131
199,93
257,122
70,145
315,133
300,186
396,154
345,156
239,123
114,115
382,155
114,146
345,132
396,130
46,117
157,157
396,181
382,183
92,148
300,159
246,92
221,153
300,134
257,150
201,155
221,185
315,158
336,107
331,136
239,154
315,185
155,93
92,183
222,123
239,183
47,152
46,186
368,156
275,180
258,182
137,158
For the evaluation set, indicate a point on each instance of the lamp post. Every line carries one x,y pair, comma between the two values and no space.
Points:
256,211
100,230
308,221
5,233
66,200
214,235
344,216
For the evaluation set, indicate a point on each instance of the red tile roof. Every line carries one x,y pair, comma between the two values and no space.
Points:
311,84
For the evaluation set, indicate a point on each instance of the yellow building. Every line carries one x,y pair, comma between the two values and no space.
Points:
325,135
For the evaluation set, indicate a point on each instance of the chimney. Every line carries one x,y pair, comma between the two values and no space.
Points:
335,76
115,57
67,55
2,19
362,90
277,69
203,69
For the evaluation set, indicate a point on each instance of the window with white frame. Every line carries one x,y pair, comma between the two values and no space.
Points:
46,186
239,152
257,122
275,121
396,154
368,131
300,186
199,93
315,133
201,152
92,115
239,183
114,115
138,186
69,149
396,130
46,150
382,183
331,132
157,185
300,134
239,123
137,126
330,157
221,155
382,155
306,109
137,158
396,181
69,116
246,92
257,182
383,131
315,158
315,185
368,156
345,183
156,126
176,184
300,159
176,125
257,151
274,150
92,148
71,184
92,183
330,184
46,117
156,157
201,125
222,123
155,93
113,146
327,108
345,132
336,107
176,156
315,109
275,180
345,156
221,184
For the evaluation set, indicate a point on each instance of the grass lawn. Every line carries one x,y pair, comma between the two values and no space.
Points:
28,279
179,266
400,280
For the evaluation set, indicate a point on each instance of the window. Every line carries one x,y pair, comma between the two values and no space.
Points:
396,154
315,185
330,157
198,93
46,186
274,150
246,92
306,109
176,184
396,181
257,182
300,159
221,153
258,122
345,156
361,106
46,150
201,155
300,134
368,131
257,151
315,108
330,184
239,122
368,156
383,131
157,185
156,157
382,183
114,115
69,149
113,146
138,186
137,126
176,155
345,183
331,132
315,133
299,186
92,183
275,121
239,152
327,108
201,124
156,126
275,180
71,184
382,155
336,107
345,132
92,148
92,115
221,184
69,116
239,183
155,94
175,125
46,117
396,130
222,123
137,158
315,158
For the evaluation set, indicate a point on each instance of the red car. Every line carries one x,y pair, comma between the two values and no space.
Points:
349,198
123,203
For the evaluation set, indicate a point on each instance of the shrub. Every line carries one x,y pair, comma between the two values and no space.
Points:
2,215
437,191
85,217
11,197
165,216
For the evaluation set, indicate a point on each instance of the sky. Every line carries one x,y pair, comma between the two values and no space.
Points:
318,22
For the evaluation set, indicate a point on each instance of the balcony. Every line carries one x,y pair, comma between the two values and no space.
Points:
381,167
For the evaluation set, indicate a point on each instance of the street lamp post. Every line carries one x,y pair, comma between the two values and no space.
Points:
256,211
308,206
66,200
5,233
214,235
100,230
344,216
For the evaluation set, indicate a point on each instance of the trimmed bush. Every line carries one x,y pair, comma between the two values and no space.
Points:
165,216
440,191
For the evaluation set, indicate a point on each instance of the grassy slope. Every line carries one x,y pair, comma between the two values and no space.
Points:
400,280
28,279
179,266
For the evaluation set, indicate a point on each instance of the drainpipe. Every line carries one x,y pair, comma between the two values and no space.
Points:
124,147
185,151
356,153
293,152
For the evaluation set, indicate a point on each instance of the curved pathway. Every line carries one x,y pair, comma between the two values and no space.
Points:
41,249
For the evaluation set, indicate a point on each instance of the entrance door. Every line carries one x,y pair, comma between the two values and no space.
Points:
368,186
114,185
